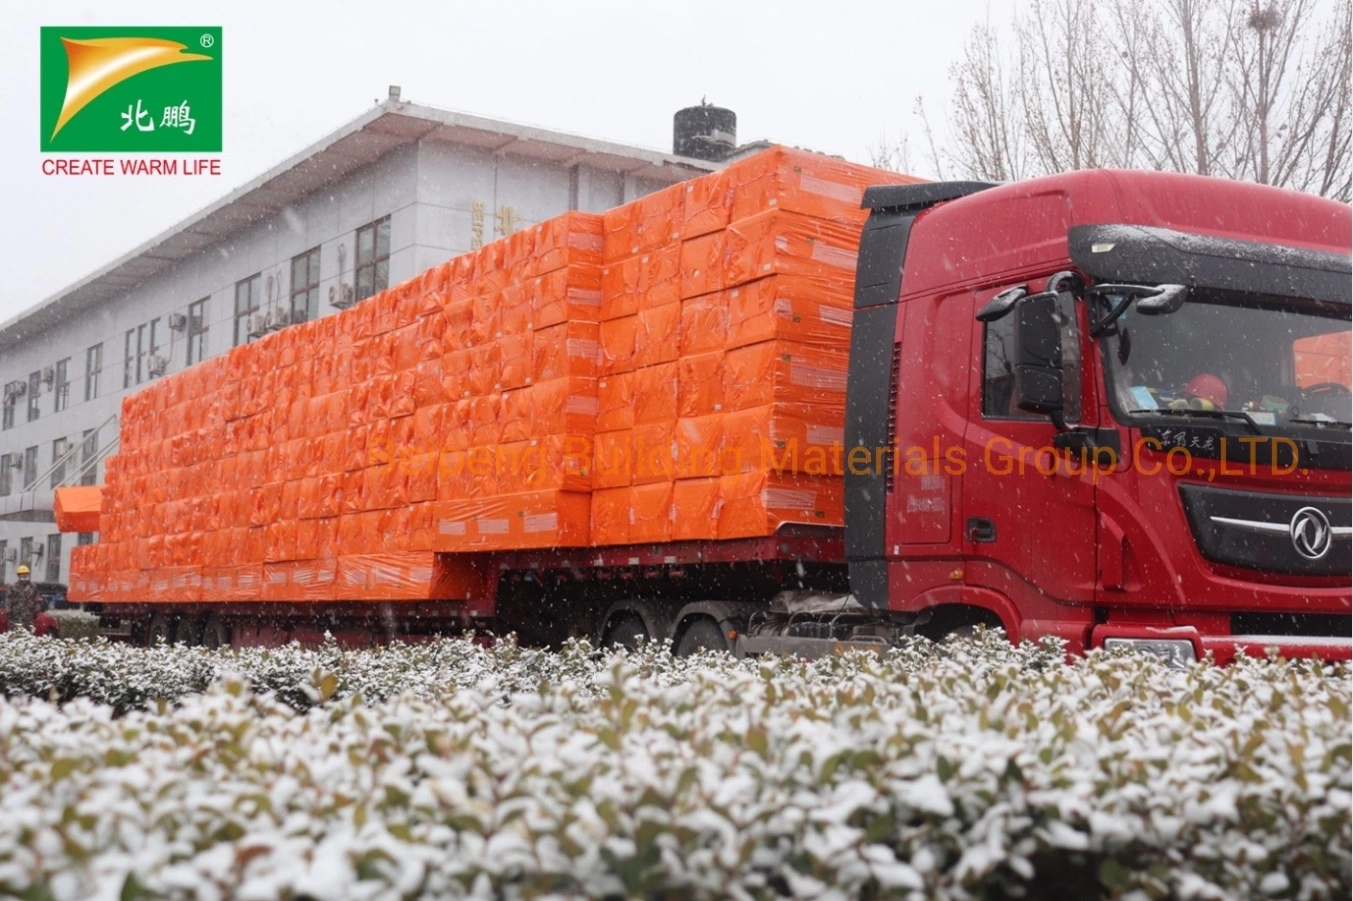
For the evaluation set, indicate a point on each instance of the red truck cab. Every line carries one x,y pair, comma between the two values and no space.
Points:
1108,406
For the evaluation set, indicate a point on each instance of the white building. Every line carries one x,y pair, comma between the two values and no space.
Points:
395,191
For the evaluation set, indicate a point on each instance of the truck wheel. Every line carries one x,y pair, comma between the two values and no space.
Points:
702,635
215,632
159,630
626,631
186,632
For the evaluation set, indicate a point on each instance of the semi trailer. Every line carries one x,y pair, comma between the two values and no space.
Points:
1107,406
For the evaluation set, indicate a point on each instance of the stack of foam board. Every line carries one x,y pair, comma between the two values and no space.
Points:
672,370
725,335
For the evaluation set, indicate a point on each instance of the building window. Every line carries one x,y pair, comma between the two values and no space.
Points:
84,539
54,557
89,472
59,449
34,384
62,387
129,360
142,343
4,549
6,479
373,258
30,467
93,369
7,414
25,551
148,345
305,286
248,296
197,331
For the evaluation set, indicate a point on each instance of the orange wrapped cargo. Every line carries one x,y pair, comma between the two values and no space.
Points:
535,519
785,372
789,307
777,242
77,508
806,183
591,379
695,509
805,438
644,224
758,503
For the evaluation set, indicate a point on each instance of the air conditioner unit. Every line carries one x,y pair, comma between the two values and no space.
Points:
341,296
60,447
48,376
11,554
178,322
15,389
16,461
158,365
278,319
257,325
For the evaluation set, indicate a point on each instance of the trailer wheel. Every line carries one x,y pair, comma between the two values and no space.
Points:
626,631
215,632
161,629
186,632
703,634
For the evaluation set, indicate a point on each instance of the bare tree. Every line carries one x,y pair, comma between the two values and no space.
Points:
1291,96
1064,69
990,138
1249,89
1191,120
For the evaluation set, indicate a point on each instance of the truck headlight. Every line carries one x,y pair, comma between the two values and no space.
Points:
1175,653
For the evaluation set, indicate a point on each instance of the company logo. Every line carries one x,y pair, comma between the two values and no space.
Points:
1311,533
131,90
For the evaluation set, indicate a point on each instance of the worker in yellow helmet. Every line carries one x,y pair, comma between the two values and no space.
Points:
22,602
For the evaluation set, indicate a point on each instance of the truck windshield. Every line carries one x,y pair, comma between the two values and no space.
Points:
1267,364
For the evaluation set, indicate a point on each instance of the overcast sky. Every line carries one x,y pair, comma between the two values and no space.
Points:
833,76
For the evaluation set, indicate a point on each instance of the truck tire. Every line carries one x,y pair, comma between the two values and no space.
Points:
215,632
626,631
161,629
702,635
187,632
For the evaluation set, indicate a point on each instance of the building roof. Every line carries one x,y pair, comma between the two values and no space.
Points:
388,125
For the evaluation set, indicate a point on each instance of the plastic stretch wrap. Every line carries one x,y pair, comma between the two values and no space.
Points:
641,375
77,508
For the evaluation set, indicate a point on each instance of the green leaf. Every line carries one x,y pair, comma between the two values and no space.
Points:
1113,875
63,767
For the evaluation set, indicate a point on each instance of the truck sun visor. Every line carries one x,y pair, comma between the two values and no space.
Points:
1150,255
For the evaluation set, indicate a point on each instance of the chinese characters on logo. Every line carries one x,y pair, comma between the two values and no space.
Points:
179,117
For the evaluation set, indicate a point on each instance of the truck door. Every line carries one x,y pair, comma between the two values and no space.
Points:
1028,511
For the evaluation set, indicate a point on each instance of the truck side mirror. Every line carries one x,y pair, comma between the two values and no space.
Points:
1038,355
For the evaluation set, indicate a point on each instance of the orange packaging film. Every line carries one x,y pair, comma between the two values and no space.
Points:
758,503
777,242
695,509
805,438
536,519
785,372
794,308
590,379
77,508
806,183
644,224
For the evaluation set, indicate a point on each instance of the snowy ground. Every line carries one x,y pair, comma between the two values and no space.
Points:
448,769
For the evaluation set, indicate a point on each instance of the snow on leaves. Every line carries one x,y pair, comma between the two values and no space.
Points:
449,769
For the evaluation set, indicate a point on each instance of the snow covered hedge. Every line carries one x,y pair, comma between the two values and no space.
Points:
449,769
